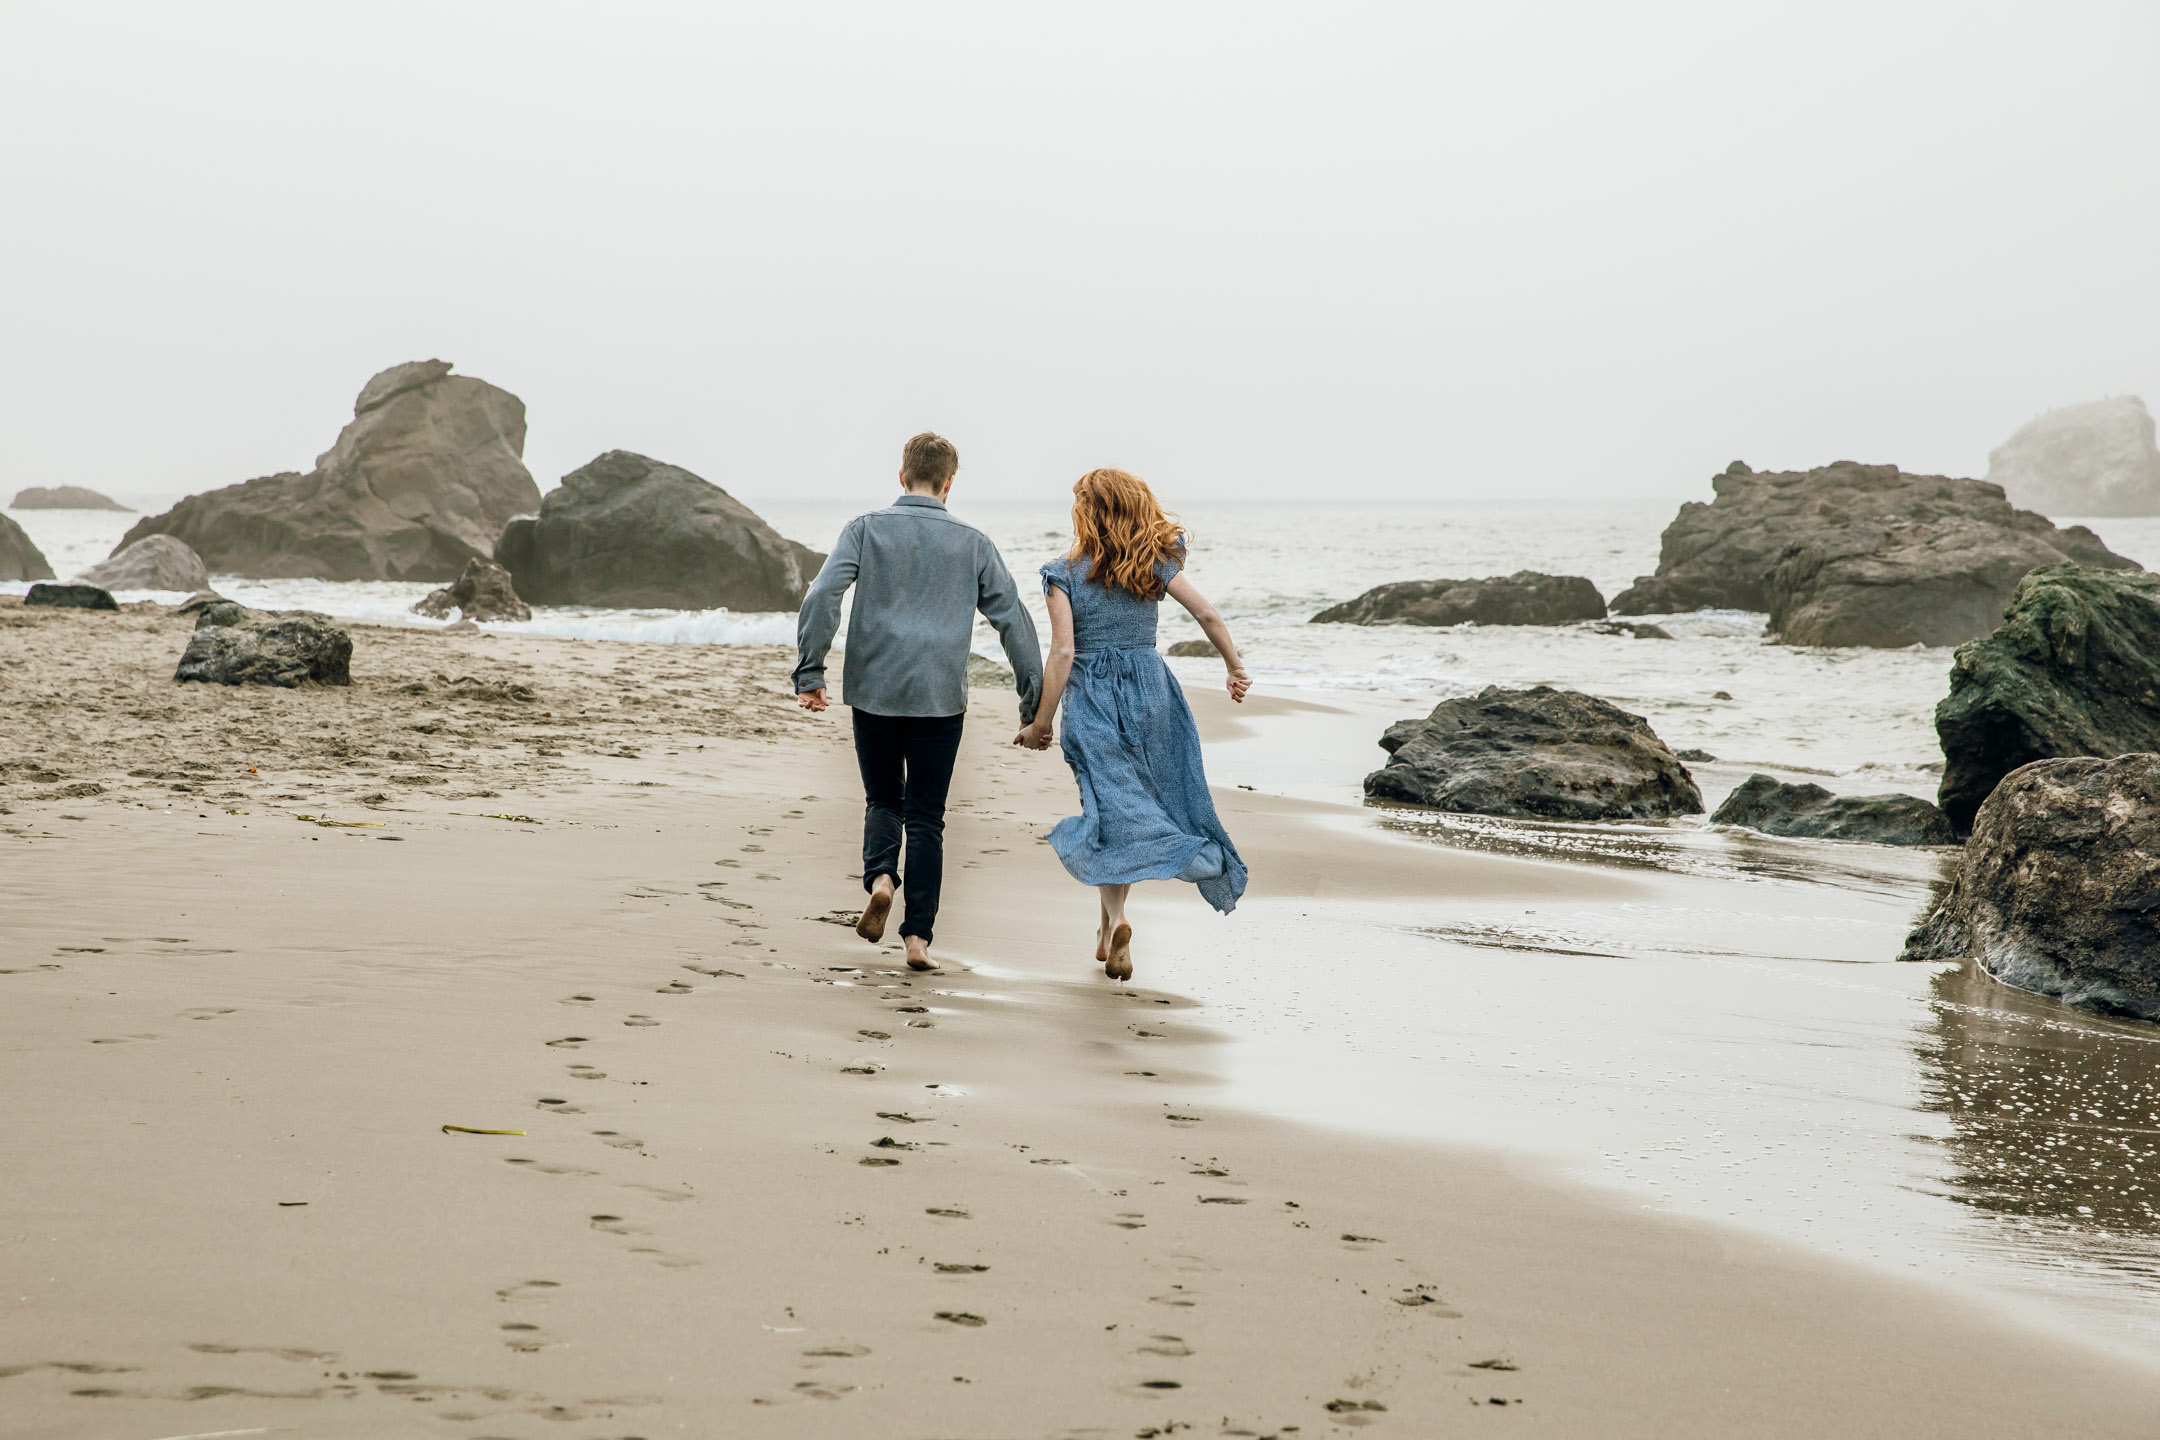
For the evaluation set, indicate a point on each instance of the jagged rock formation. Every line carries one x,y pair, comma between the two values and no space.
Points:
71,597
2059,888
1856,555
1524,598
2092,459
1763,803
483,592
1540,753
155,562
20,559
630,532
420,482
64,497
2074,669
233,645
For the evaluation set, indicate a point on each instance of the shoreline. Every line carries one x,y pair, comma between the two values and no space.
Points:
293,1022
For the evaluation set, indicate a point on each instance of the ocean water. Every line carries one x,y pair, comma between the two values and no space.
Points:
1733,1038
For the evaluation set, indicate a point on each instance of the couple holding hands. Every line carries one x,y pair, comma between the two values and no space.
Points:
920,575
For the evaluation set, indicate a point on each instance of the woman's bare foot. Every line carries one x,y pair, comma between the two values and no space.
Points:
918,954
872,925
1119,965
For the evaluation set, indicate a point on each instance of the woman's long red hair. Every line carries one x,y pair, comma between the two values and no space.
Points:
1123,531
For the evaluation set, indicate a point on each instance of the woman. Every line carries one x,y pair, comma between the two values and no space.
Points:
1129,737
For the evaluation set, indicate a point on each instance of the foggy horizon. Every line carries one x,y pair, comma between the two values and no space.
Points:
1378,252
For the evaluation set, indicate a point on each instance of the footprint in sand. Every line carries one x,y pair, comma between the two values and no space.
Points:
120,1039
547,1168
568,1042
949,1268
1169,1345
665,1260
206,1012
559,1106
619,1140
616,1225
658,1192
838,1352
528,1290
949,1214
640,1020
523,1338
586,1072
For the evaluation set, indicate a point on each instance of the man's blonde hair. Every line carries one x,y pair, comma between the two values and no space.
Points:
928,461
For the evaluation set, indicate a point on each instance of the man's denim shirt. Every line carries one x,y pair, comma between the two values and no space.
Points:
919,576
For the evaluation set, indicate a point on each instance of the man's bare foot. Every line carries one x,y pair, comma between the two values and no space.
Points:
1119,966
918,954
872,925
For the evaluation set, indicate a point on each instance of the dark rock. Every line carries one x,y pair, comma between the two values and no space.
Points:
627,531
155,562
2074,669
2059,888
1762,803
66,497
71,597
200,601
1194,649
1540,753
1695,757
420,482
1524,598
233,645
483,592
1633,629
2092,459
20,559
1856,555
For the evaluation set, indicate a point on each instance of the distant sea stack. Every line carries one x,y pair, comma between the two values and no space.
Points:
421,481
20,559
64,497
2092,459
1524,598
631,532
1854,554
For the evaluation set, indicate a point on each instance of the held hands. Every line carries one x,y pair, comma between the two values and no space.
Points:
1034,737
1238,683
812,700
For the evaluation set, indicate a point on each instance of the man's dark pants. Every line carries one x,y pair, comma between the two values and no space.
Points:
907,764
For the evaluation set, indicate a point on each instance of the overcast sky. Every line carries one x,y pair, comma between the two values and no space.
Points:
1431,250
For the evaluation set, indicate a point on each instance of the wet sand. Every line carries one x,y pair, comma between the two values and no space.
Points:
237,1014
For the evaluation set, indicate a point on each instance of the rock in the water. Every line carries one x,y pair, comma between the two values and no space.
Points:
1194,649
1541,753
420,482
1524,598
1763,803
155,562
72,497
71,597
483,592
233,645
627,531
2074,669
1856,555
1696,756
2059,889
1634,630
2092,459
20,559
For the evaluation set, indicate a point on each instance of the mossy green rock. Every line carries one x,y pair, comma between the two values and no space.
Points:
2074,669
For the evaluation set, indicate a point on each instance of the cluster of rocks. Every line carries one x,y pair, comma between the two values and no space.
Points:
1853,554
1524,598
64,497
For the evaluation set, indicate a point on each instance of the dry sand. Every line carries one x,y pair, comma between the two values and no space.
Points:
772,1183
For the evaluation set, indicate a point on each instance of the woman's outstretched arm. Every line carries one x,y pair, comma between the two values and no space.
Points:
1218,633
1056,672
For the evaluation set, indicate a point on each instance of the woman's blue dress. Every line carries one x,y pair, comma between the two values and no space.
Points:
1145,811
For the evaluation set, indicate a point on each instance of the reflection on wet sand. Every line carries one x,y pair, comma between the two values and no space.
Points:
2054,1123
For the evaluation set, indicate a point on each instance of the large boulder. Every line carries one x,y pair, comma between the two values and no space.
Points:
1764,803
71,597
2074,669
483,592
233,645
2092,459
67,497
420,482
20,559
1524,598
155,562
1541,753
2059,888
631,532
1856,554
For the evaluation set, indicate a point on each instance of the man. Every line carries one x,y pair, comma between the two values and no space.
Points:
919,576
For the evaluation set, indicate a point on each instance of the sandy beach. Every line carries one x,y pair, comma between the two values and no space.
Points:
258,948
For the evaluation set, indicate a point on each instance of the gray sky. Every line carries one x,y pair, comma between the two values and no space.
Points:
1428,250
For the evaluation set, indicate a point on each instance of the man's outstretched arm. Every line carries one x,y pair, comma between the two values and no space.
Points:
999,601
819,619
